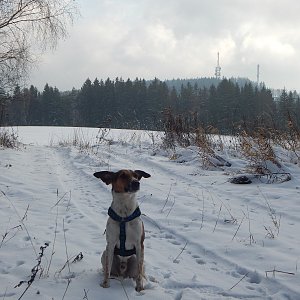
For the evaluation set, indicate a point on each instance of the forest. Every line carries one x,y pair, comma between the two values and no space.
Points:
139,104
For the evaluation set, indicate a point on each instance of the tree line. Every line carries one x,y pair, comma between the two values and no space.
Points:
141,104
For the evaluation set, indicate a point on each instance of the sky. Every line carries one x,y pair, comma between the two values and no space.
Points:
177,39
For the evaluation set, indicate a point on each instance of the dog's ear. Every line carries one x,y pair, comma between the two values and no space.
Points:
105,176
141,174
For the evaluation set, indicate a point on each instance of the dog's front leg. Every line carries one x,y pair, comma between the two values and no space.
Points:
107,263
140,265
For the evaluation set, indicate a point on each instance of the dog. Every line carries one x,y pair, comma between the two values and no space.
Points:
124,253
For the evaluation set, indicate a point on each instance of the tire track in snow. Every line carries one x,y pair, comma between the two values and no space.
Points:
253,284
82,212
82,187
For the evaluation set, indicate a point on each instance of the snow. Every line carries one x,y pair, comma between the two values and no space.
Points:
206,238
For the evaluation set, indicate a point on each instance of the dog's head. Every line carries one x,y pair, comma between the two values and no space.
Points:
123,181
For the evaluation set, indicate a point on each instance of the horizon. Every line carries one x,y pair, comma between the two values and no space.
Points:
261,83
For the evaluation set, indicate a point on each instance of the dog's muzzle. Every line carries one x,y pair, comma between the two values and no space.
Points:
132,187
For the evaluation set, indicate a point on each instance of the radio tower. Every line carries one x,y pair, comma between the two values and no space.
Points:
257,75
218,69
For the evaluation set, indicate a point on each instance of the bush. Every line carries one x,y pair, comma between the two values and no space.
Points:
8,138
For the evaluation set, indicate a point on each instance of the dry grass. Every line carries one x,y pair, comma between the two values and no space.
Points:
289,139
178,129
184,131
8,138
78,140
207,144
257,148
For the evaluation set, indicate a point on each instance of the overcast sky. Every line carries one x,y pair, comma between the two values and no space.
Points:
177,39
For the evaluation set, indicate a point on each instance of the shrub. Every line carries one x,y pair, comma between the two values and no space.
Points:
8,138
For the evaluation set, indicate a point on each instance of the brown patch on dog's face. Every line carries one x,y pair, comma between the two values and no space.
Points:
123,181
126,181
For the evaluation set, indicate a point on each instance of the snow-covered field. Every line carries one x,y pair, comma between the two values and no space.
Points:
206,238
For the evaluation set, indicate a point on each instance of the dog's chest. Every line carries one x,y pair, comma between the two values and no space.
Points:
133,231
124,207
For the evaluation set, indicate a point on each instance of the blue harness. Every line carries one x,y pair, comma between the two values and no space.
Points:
122,251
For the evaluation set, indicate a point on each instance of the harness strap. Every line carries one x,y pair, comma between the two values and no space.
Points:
130,252
122,251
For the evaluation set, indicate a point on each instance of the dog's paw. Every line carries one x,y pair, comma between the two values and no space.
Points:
105,284
139,287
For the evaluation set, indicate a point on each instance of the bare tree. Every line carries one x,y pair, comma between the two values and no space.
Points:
27,28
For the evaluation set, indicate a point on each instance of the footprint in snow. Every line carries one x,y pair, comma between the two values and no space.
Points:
20,263
4,272
200,261
168,236
167,275
7,294
175,243
254,277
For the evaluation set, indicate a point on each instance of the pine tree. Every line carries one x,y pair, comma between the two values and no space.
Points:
17,113
283,109
86,103
34,107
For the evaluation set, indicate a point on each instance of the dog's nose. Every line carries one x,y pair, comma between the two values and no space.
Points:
135,185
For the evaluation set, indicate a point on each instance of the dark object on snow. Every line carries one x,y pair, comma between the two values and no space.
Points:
222,162
240,180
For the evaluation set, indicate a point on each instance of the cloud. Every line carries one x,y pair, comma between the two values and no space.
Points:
178,38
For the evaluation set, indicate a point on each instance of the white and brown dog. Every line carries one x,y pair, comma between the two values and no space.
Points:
124,253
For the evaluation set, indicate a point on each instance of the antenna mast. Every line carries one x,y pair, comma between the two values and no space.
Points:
257,75
218,68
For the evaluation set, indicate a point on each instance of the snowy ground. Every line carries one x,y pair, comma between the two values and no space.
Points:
206,238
